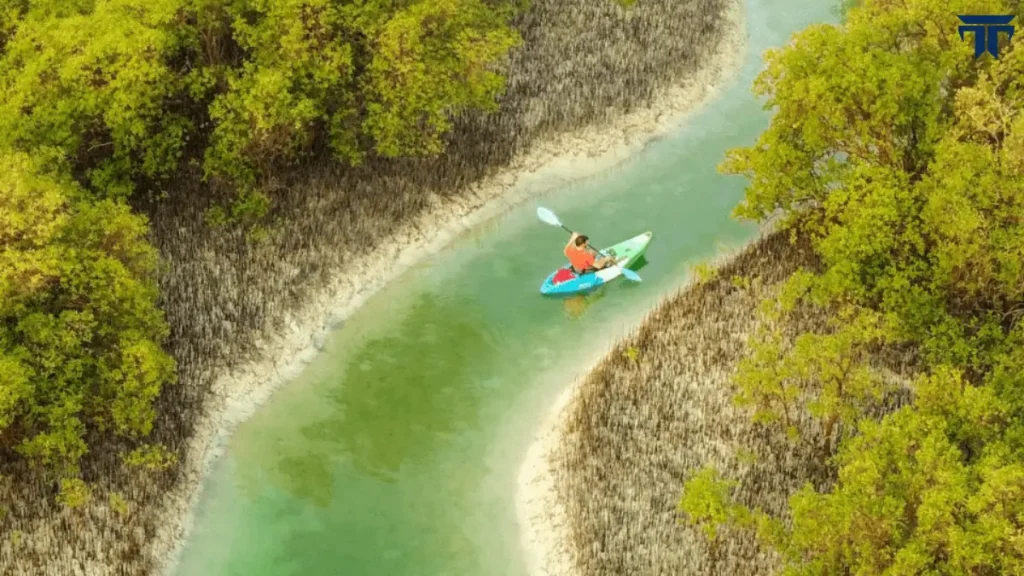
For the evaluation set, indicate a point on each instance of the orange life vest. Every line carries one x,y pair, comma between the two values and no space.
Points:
580,259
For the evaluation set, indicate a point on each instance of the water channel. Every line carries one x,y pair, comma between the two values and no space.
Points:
396,452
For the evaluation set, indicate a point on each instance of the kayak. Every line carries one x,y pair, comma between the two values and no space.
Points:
626,253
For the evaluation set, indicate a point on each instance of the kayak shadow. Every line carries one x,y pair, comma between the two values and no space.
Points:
577,304
639,264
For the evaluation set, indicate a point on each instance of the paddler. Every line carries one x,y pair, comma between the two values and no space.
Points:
578,251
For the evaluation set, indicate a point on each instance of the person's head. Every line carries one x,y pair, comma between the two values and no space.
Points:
581,241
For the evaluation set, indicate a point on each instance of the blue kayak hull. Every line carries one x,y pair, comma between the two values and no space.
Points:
579,284
626,253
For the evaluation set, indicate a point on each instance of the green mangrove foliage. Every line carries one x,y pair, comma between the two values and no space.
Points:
901,157
950,463
708,503
126,90
432,60
80,336
933,488
109,99
414,65
904,169
11,12
826,374
89,83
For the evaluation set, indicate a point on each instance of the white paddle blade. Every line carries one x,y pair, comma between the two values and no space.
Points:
630,274
547,216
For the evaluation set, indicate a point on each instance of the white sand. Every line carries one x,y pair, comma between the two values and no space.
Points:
237,395
542,517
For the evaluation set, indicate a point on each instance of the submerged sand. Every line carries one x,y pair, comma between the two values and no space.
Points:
237,395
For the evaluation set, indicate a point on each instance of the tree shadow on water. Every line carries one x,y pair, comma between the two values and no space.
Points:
396,400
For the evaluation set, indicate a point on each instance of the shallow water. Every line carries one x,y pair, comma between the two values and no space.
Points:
396,452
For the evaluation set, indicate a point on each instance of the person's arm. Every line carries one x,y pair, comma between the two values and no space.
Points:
572,239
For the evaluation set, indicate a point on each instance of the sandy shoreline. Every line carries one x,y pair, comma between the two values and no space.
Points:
237,395
542,518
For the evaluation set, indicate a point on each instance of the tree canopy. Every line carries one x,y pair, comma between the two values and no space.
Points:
897,154
106,99
124,88
901,157
79,334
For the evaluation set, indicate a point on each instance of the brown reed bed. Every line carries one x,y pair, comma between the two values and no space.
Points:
582,63
637,429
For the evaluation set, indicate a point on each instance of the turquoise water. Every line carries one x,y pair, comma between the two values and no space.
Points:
397,451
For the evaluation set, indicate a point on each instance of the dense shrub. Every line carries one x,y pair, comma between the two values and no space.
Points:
128,89
901,158
105,101
80,335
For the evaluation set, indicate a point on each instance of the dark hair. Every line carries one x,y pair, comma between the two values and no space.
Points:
581,240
